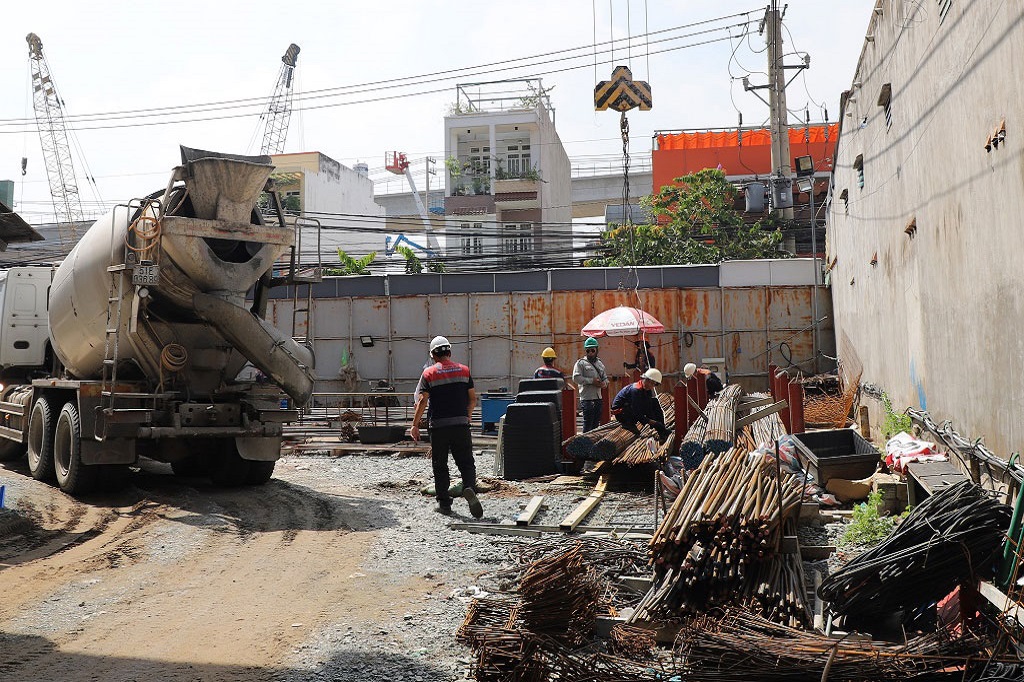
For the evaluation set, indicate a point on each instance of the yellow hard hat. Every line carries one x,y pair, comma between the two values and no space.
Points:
548,353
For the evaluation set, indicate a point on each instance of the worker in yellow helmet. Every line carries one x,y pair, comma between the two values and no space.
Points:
548,369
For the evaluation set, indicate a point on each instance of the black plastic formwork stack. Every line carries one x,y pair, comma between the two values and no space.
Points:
532,433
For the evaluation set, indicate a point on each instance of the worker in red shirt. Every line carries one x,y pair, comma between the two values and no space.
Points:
636,405
548,369
447,387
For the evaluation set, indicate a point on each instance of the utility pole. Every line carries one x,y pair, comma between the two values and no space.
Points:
781,168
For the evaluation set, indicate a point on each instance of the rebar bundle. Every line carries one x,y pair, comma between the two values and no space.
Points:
765,430
581,445
483,617
631,642
717,543
712,431
638,452
739,646
949,538
559,597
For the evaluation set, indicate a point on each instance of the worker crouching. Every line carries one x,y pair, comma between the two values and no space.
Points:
636,405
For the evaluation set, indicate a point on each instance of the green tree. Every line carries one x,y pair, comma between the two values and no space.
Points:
413,264
352,266
695,222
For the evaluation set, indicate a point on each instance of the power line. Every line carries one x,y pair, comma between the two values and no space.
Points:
22,125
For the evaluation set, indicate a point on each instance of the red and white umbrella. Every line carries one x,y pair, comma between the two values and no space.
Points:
622,321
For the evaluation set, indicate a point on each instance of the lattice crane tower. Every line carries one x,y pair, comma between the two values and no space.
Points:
53,136
279,108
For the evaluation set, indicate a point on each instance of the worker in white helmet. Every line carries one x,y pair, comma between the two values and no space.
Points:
447,387
636,405
713,383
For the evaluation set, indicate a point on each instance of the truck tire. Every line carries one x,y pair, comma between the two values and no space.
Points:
227,468
41,424
11,450
73,477
260,472
189,467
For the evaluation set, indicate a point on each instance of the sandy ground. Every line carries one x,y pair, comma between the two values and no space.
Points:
337,569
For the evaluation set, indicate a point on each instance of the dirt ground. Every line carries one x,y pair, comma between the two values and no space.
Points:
337,569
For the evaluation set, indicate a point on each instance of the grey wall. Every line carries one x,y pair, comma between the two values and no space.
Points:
932,316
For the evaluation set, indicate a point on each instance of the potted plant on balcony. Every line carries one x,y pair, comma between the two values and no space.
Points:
454,169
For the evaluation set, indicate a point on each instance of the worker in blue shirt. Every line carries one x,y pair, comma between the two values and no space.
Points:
636,405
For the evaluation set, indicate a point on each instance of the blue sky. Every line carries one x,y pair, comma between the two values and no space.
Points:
111,57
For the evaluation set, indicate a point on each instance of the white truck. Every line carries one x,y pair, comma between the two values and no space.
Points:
133,345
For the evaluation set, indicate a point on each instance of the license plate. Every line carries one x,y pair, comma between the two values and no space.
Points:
146,274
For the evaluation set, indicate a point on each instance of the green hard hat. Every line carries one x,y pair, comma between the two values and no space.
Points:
591,342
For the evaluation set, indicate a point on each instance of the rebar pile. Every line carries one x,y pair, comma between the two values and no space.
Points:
638,453
742,647
712,546
581,446
949,538
715,433
765,430
629,641
559,597
483,617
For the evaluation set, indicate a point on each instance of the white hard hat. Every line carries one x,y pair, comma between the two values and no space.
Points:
688,369
653,374
439,342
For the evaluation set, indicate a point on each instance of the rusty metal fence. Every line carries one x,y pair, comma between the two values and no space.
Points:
746,316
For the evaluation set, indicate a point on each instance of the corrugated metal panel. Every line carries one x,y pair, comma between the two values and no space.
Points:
531,332
501,335
410,336
490,325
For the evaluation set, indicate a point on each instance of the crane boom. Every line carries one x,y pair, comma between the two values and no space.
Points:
53,135
279,108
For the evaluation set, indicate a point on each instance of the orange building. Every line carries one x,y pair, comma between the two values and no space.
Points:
739,152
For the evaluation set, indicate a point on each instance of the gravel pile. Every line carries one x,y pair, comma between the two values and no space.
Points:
419,645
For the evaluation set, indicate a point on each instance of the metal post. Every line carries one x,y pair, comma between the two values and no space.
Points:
814,286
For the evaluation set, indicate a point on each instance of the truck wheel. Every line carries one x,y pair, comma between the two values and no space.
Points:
259,472
11,450
73,477
41,424
227,468
189,467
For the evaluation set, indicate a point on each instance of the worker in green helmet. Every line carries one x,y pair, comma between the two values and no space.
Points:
590,376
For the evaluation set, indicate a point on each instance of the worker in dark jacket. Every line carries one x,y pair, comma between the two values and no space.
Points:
644,358
548,369
447,387
636,405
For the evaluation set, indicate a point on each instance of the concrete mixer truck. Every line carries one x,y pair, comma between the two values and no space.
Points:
134,344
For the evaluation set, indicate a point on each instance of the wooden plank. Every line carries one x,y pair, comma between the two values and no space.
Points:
753,404
487,528
761,414
586,506
526,518
639,583
998,599
819,617
497,529
817,552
